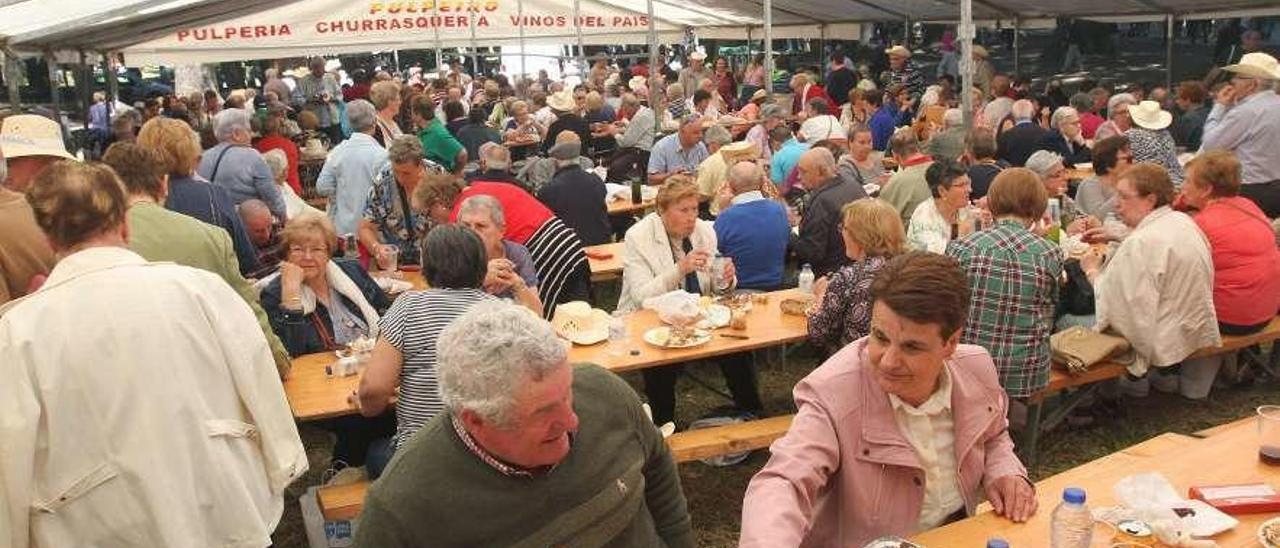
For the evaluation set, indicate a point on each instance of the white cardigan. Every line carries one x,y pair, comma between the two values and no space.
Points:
1157,291
648,268
140,407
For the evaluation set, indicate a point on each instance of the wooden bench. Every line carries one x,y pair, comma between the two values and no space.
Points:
1060,381
341,502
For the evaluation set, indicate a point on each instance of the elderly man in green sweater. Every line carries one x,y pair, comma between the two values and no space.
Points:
533,451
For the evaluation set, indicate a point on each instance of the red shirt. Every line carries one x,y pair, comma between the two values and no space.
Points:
1089,123
524,213
290,152
1246,262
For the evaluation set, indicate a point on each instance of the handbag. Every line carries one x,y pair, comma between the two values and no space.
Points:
1079,348
1076,296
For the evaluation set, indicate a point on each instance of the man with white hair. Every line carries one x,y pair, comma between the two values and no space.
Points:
1246,120
632,155
532,450
1066,136
1017,143
820,243
234,165
350,169
753,230
949,143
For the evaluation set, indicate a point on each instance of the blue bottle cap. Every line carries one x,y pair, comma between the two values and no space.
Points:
997,543
1074,495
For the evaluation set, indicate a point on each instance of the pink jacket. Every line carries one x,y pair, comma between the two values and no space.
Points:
844,474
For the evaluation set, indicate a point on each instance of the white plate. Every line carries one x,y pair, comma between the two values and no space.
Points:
660,337
1262,539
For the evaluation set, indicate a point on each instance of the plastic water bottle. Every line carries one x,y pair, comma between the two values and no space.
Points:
806,278
350,246
1071,525
617,333
997,543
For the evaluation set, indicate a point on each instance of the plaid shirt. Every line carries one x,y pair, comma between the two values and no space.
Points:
1014,277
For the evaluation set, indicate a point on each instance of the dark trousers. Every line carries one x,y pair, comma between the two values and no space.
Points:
1266,195
334,132
627,163
357,433
739,375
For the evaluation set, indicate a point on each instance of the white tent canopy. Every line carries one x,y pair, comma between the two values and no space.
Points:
145,29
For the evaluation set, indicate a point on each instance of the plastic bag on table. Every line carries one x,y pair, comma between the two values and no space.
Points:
678,308
1152,499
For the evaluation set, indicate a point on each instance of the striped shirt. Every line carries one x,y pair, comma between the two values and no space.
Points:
412,326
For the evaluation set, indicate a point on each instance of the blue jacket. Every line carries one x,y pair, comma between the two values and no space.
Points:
882,126
755,235
300,333
195,197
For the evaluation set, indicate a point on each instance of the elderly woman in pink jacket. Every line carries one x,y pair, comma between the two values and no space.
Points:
901,431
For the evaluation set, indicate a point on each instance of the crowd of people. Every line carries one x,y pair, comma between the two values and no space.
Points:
944,258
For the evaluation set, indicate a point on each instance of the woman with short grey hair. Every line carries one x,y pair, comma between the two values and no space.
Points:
1066,137
362,115
389,218
511,272
234,165
405,356
1053,175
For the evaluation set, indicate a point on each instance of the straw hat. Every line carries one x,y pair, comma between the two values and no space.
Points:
980,51
898,51
562,101
739,151
314,149
758,95
1256,65
31,135
580,323
1149,115
697,56
636,82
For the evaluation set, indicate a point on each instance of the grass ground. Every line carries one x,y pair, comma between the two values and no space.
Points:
715,494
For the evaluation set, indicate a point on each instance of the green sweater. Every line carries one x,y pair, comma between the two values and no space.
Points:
160,235
617,487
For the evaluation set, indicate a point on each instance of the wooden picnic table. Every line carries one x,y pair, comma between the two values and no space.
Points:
766,326
1228,457
313,395
624,206
605,269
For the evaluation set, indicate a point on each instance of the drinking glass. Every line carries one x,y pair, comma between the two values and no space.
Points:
389,258
1269,434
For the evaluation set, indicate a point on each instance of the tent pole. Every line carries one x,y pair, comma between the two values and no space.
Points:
768,48
1017,46
475,50
12,77
396,54
113,83
84,75
966,63
520,16
1168,53
439,54
906,32
822,47
52,65
655,103
577,28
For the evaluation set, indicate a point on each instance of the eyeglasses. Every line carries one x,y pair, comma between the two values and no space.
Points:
307,251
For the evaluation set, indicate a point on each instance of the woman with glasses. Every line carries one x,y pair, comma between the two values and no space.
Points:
316,303
1066,136
1053,175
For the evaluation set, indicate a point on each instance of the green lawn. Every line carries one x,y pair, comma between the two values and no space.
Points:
715,494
